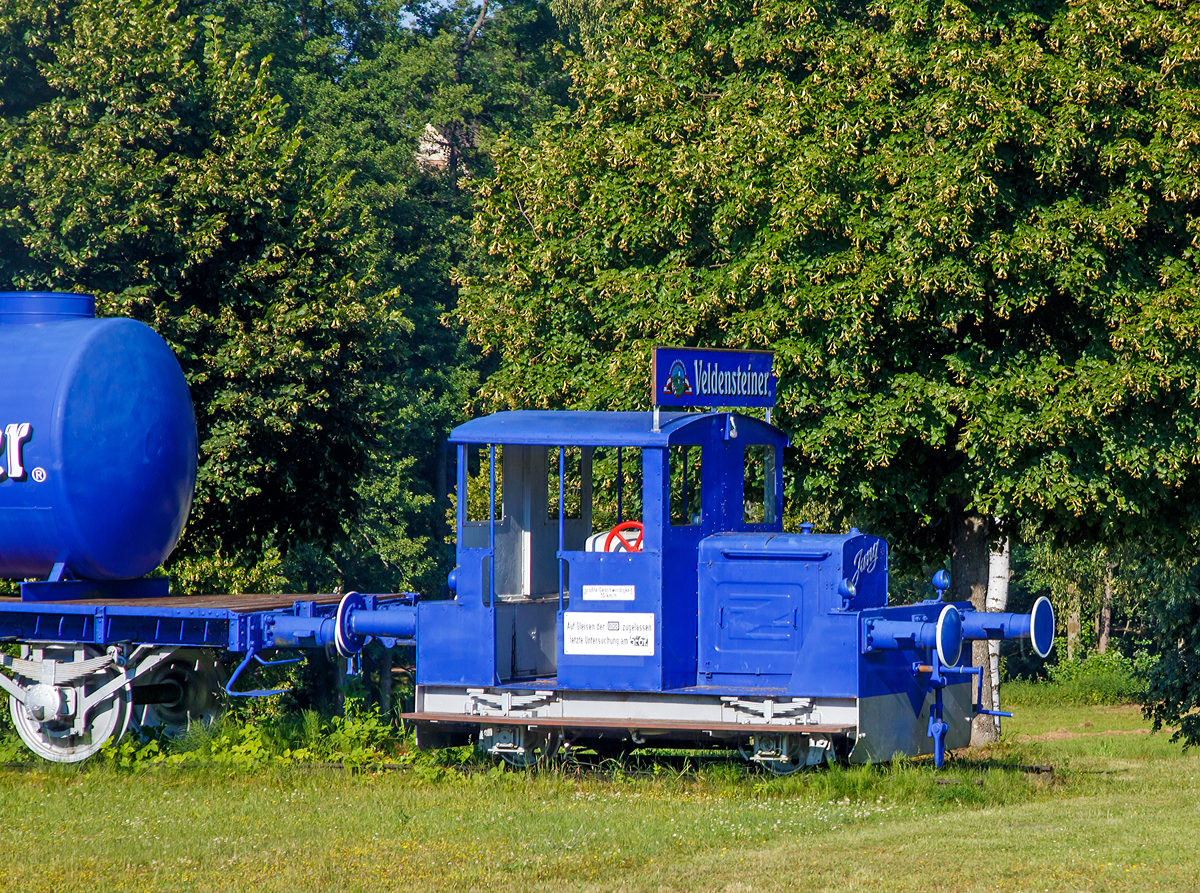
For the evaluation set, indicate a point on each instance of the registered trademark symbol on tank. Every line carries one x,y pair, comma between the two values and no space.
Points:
38,475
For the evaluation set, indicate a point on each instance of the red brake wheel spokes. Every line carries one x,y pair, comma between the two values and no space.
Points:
617,533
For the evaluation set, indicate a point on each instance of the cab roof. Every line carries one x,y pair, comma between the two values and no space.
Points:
580,428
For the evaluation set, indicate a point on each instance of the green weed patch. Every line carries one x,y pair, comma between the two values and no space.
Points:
362,737
1098,679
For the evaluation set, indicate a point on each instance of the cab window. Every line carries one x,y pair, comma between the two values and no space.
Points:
686,490
758,484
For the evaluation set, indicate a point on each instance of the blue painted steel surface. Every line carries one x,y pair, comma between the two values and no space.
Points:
56,621
305,624
551,428
762,596
457,641
698,376
31,307
96,590
942,630
256,692
585,668
457,645
99,451
393,622
1037,626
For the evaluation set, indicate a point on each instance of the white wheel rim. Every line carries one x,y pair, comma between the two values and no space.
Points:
536,749
55,741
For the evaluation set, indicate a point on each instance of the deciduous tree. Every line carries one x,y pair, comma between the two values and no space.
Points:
968,231
405,100
244,177
146,161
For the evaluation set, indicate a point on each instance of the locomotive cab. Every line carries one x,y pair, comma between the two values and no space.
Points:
578,543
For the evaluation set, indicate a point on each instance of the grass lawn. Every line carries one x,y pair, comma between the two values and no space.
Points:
1121,812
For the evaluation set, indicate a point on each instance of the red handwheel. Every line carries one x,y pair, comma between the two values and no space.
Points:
616,533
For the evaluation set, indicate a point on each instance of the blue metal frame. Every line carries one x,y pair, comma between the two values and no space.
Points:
562,519
306,624
257,692
492,526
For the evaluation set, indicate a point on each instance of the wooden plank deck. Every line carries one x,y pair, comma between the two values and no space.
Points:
241,603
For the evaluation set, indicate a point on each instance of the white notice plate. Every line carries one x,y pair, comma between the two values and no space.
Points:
607,593
604,632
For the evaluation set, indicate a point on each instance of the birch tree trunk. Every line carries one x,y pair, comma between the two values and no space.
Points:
997,600
1073,620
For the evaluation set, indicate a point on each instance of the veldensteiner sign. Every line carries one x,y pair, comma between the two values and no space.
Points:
697,376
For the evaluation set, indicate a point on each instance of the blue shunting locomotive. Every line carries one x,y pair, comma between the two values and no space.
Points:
687,617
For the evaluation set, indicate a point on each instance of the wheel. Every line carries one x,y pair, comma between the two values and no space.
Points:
540,746
611,748
520,746
182,690
435,736
623,543
47,722
778,753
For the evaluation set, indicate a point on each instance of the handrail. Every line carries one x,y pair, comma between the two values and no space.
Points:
258,692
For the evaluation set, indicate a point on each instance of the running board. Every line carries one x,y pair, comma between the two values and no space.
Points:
641,725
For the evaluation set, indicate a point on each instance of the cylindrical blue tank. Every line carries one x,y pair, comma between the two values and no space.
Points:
98,457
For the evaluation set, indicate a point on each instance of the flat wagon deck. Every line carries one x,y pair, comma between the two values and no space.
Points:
241,604
92,661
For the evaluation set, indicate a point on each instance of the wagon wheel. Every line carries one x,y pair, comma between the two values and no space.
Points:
618,534
784,767
180,691
538,746
611,748
780,754
55,737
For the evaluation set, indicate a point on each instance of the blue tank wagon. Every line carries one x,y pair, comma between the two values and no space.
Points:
687,617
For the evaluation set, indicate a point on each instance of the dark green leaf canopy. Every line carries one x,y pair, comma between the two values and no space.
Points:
146,161
274,185
967,229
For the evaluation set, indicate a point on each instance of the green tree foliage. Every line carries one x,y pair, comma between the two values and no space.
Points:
151,165
377,81
585,23
243,177
967,230
405,100
1173,617
1098,592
